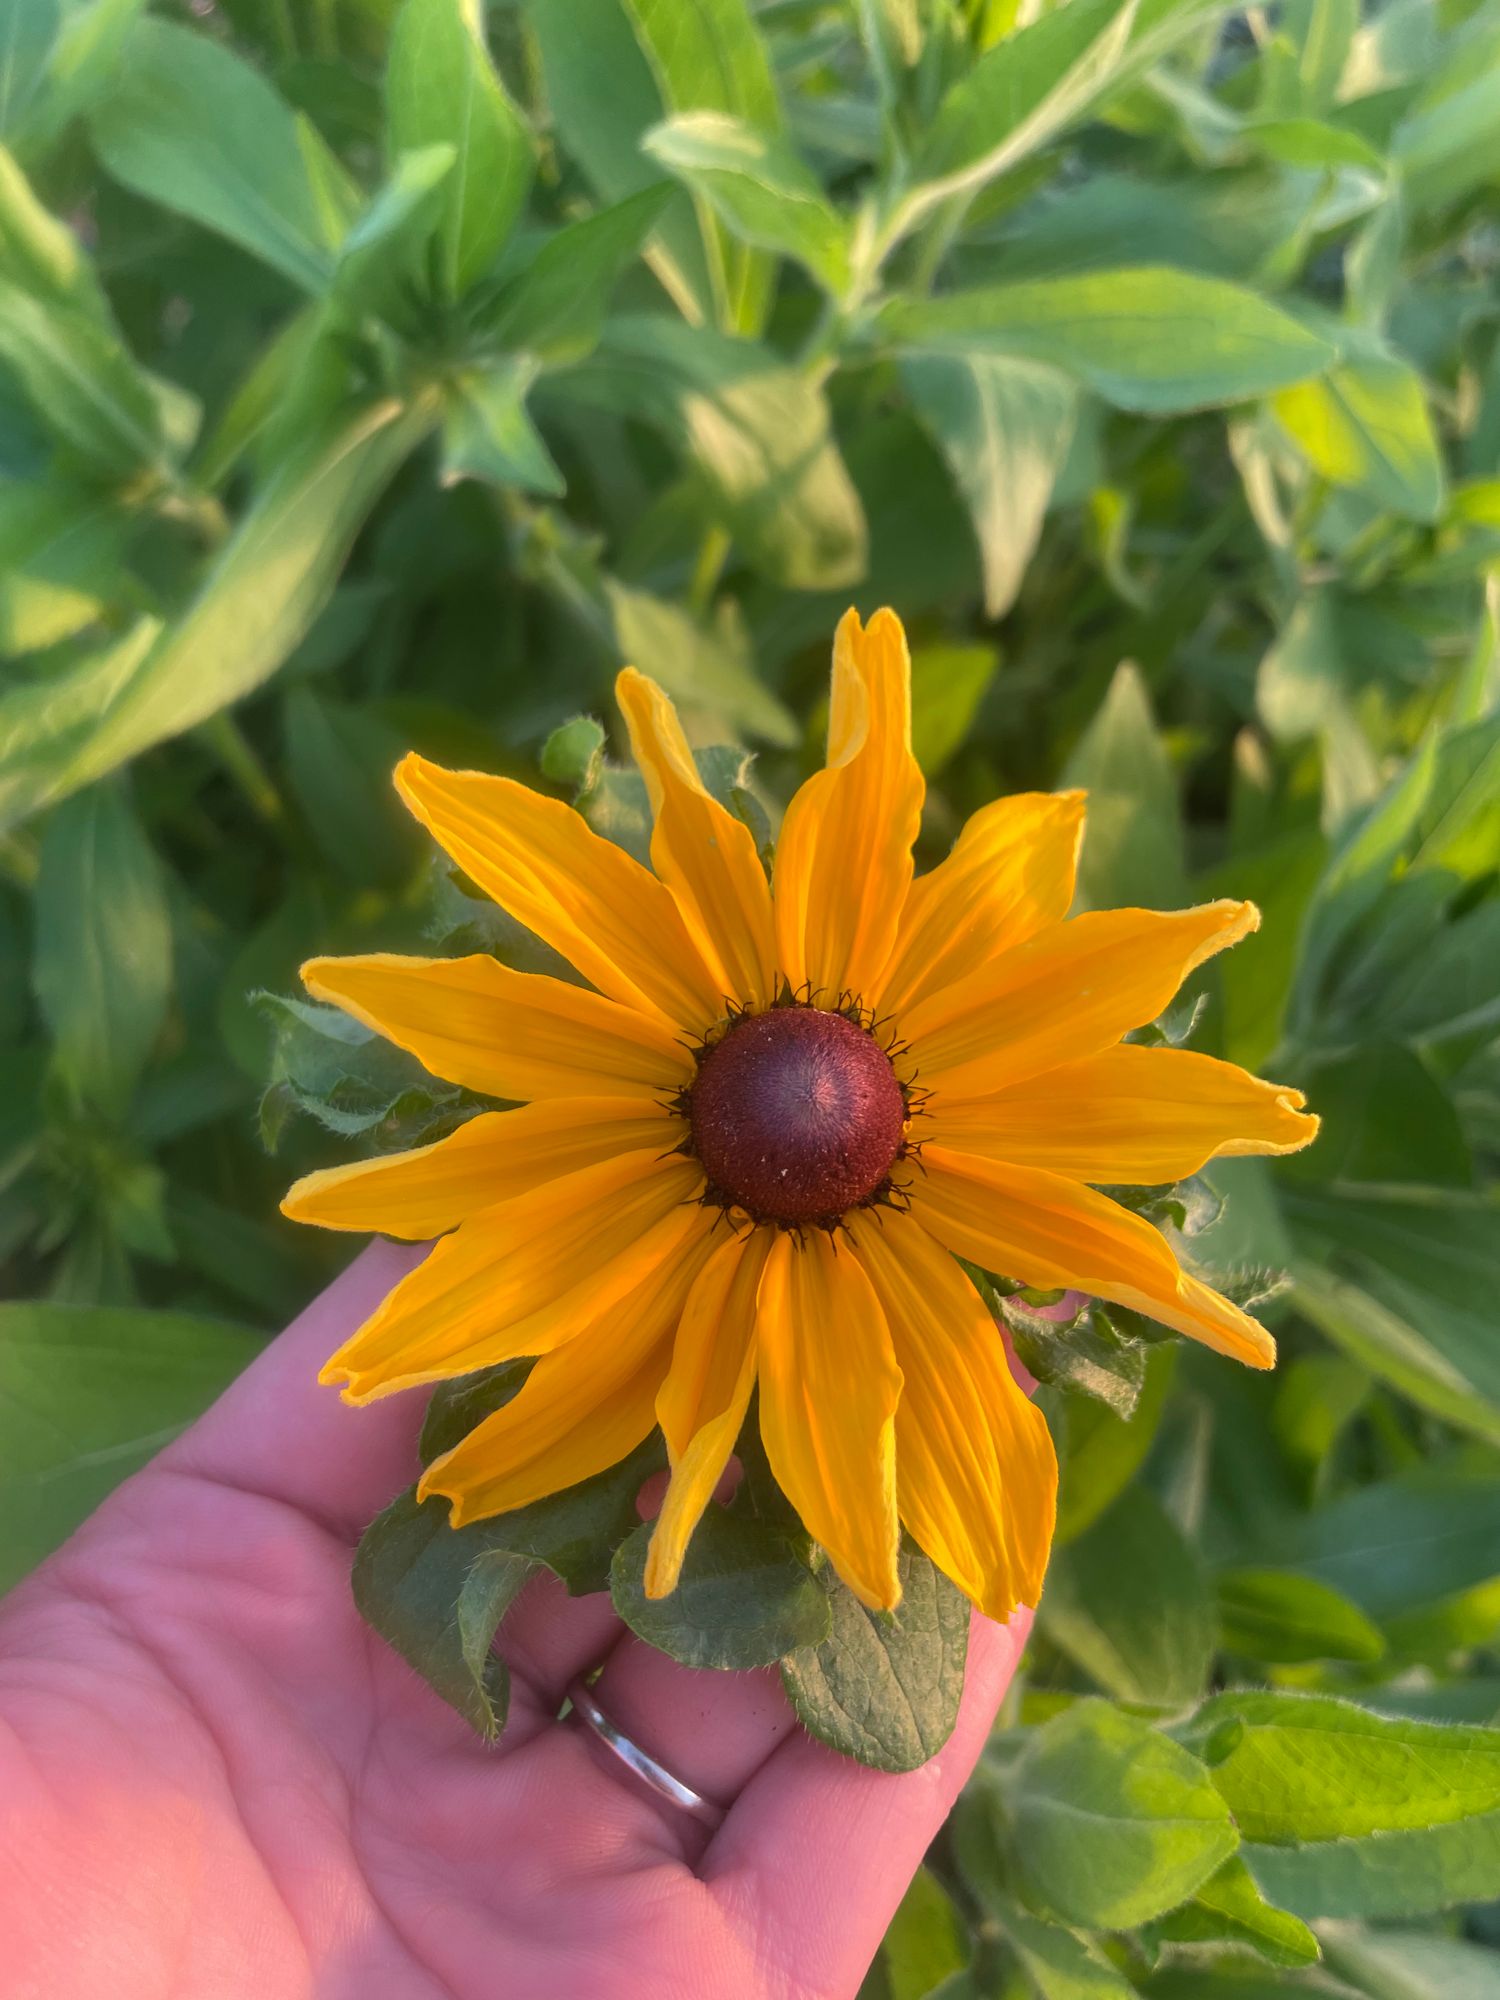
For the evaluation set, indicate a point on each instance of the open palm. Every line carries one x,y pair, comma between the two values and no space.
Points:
216,1782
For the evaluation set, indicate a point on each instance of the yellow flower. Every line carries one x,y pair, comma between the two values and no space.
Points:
750,1151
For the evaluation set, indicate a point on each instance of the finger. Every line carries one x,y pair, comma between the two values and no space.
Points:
276,1432
818,1850
713,1731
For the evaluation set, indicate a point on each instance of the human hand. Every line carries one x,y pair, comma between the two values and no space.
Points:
216,1782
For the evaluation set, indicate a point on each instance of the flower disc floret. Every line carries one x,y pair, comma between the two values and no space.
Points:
797,1116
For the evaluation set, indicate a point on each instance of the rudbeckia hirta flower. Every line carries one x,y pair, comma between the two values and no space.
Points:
749,1152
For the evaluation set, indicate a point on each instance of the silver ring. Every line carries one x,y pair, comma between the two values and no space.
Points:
641,1765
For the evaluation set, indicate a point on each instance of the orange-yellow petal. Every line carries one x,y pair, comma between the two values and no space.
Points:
829,1387
500,1154
525,1276
508,1034
706,856
843,862
1127,1116
1047,1231
584,895
1067,992
976,1475
703,1401
1009,876
579,1411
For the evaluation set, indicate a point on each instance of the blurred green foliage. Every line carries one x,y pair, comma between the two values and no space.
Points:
373,376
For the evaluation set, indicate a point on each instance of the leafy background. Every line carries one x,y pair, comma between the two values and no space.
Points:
372,376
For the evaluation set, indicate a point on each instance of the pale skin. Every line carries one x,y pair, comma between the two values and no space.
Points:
217,1784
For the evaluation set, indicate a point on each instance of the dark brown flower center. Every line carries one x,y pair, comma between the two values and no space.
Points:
796,1115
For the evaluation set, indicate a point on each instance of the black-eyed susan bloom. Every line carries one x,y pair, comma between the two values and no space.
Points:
749,1153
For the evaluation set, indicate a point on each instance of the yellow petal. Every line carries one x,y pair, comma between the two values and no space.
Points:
584,895
1129,1116
1009,876
525,1276
579,1411
494,1157
843,862
1067,992
703,1401
1046,1231
976,1475
829,1387
706,856
508,1034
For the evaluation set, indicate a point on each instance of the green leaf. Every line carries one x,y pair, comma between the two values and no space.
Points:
339,760
41,254
87,1395
885,1687
1110,1822
1282,1618
1397,1875
1442,810
1314,144
1410,1965
80,65
708,58
27,30
760,187
188,125
1229,1909
1145,338
1021,94
744,1598
261,596
1129,1603
1056,1964
1133,846
442,90
1308,1768
1445,146
438,1599
103,963
458,1406
926,1941
758,432
708,667
381,262
604,100
947,685
1406,1287
80,382
1365,425
576,1532
555,309
488,434
1102,1451
1388,1123
1427,1533
1004,426
60,562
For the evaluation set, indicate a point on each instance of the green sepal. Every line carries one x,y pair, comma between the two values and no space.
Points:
743,1600
335,1070
884,1688
1089,1353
